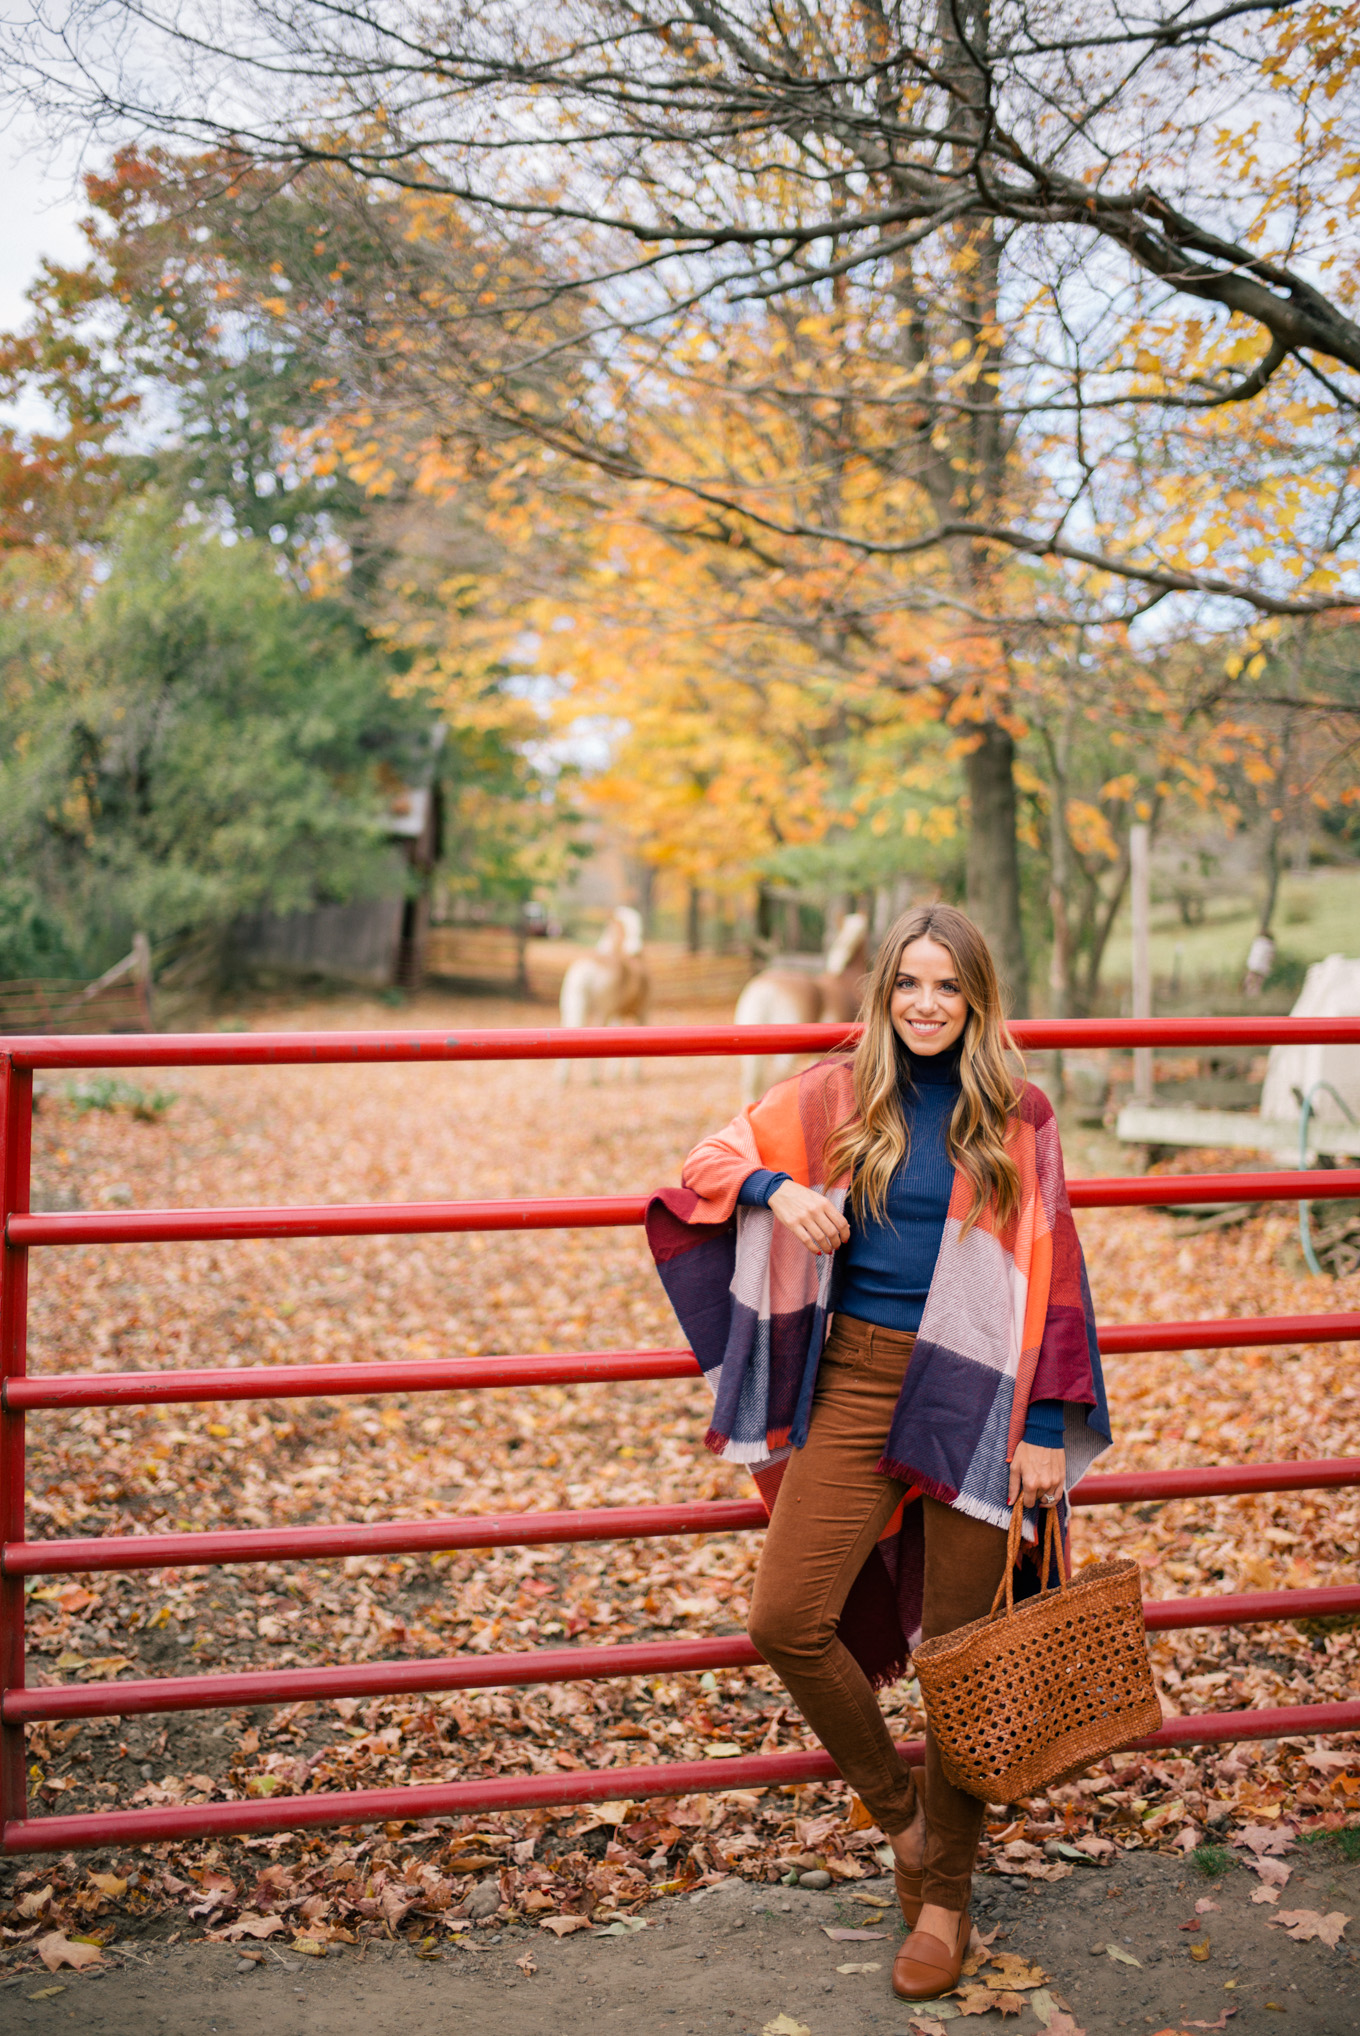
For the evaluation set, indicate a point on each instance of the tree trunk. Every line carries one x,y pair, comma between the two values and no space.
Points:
993,858
1281,791
1272,875
1059,880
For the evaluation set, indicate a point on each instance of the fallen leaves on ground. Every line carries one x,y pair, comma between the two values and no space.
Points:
870,1967
55,1950
563,1926
1264,1842
973,1999
785,2025
1303,1924
851,1936
248,1926
1014,1974
316,1134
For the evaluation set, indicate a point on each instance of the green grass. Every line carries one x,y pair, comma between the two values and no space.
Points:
109,1092
1346,1842
1316,915
1212,1860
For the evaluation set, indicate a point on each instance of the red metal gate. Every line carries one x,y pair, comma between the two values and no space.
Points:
26,1230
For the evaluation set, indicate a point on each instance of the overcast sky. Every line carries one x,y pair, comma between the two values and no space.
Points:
39,207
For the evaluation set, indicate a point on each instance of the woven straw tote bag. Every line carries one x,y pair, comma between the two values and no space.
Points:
1033,1694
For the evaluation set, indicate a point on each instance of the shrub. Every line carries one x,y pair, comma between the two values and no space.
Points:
109,1092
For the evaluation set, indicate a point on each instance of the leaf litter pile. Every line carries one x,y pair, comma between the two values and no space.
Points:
330,1134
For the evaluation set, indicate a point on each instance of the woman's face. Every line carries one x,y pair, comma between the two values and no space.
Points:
927,1007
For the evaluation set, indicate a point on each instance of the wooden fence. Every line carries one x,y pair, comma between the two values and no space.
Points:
499,958
150,990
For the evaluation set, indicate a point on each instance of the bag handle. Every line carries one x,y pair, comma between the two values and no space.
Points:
1052,1541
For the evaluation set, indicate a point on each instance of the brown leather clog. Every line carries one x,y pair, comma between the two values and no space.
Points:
926,1967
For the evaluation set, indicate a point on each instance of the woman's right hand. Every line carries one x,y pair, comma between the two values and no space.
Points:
814,1220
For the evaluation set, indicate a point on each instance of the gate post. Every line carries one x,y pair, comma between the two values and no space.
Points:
16,1135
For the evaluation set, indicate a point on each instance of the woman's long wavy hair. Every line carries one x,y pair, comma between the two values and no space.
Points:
872,1144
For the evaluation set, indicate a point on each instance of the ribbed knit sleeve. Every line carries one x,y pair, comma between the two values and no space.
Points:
1044,1423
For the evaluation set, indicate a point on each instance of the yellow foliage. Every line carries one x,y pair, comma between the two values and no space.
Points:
1090,831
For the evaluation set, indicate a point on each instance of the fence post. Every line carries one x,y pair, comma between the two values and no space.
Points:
1140,887
142,977
16,1134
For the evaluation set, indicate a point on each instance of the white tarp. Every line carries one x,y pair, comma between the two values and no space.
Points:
1331,989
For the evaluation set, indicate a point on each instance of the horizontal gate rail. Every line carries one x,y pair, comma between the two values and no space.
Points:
1227,1333
613,1042
582,1787
522,1669
19,1394
592,1212
356,1219
383,1537
601,1523
579,1368
339,1381
1216,1481
531,1666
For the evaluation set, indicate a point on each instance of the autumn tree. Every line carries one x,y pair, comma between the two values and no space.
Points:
171,545
1077,249
1081,241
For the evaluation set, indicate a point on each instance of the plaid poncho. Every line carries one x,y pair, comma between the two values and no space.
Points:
1008,1318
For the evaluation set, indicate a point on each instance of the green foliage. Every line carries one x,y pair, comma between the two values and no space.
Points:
1211,1860
32,942
190,739
110,1092
204,663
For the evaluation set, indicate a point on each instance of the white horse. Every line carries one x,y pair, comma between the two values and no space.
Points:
787,996
609,987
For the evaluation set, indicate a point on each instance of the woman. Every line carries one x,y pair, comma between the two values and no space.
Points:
911,1196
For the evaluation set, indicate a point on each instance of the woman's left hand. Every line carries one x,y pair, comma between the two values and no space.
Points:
1038,1473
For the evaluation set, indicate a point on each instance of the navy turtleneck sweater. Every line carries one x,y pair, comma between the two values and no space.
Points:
887,1266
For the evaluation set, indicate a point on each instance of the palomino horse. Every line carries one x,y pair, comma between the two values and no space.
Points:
609,987
785,996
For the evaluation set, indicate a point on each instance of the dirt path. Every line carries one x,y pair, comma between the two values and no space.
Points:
738,1957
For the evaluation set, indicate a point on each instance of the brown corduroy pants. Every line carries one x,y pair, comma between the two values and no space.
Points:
831,1508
